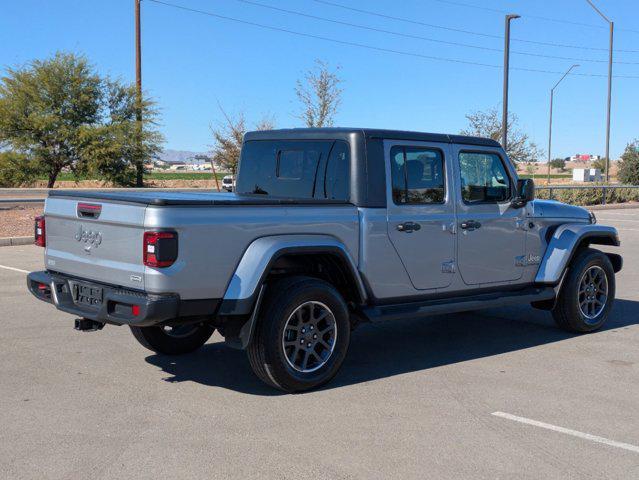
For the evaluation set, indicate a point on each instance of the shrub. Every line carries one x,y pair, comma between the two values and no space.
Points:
558,163
17,170
629,165
591,196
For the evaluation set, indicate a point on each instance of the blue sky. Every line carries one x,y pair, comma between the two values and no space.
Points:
193,61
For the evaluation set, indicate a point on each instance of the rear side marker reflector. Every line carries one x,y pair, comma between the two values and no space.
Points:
160,249
135,310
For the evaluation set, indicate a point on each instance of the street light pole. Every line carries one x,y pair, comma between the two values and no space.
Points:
139,167
504,126
552,94
612,32
138,49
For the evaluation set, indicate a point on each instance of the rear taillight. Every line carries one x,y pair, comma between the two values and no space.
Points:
40,232
160,249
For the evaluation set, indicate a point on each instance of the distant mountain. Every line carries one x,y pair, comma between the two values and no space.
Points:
179,156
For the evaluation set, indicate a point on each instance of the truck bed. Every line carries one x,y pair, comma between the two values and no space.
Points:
164,198
213,235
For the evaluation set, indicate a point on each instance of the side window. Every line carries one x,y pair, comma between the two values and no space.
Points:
295,171
281,168
417,175
337,176
483,178
290,164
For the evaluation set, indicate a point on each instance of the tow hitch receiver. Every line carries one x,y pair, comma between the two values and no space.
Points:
87,325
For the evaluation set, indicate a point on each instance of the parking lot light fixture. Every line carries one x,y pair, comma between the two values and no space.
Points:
612,33
552,94
504,126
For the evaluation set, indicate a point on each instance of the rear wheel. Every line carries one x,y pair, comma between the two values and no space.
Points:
587,294
173,340
302,336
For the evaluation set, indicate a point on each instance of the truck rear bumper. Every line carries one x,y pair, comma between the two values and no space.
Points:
105,303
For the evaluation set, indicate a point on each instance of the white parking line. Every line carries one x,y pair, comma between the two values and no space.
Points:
14,269
568,431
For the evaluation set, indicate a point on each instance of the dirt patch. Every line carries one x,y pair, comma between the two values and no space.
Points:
204,184
18,221
66,184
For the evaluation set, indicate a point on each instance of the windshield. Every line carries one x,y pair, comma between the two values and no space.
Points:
295,169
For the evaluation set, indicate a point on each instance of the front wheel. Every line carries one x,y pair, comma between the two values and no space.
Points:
587,294
302,336
173,340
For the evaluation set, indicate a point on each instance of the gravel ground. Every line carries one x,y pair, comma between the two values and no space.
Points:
18,221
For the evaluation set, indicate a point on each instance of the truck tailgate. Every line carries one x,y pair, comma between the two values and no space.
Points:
96,240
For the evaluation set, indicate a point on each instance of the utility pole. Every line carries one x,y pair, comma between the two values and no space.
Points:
504,124
552,94
612,32
139,167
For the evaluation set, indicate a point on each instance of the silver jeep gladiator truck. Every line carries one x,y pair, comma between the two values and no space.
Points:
328,228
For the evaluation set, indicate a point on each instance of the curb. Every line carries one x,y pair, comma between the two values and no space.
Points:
22,200
15,241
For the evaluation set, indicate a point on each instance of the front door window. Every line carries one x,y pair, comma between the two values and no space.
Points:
483,178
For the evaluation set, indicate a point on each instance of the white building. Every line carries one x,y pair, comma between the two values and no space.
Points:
586,175
201,167
179,167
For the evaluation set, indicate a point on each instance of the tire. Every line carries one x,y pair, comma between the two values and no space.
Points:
173,340
300,308
575,310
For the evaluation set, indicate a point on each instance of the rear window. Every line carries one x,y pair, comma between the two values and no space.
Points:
295,169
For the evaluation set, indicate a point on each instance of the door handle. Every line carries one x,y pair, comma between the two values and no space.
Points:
408,227
470,225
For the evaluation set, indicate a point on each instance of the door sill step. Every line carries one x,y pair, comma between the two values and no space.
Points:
457,304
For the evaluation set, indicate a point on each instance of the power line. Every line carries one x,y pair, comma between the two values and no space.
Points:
366,46
538,17
419,37
468,32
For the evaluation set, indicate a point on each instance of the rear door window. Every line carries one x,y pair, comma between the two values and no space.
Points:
417,174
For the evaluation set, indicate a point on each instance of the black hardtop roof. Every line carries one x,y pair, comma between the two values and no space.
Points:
342,132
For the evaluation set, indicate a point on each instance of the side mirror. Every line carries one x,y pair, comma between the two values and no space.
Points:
525,192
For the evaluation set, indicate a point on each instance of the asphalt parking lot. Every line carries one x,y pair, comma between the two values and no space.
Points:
493,394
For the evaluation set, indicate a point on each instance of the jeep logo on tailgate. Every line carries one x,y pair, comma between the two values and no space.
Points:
90,238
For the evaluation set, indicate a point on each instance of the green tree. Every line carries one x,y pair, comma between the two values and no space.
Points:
558,163
62,115
488,125
118,144
628,172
